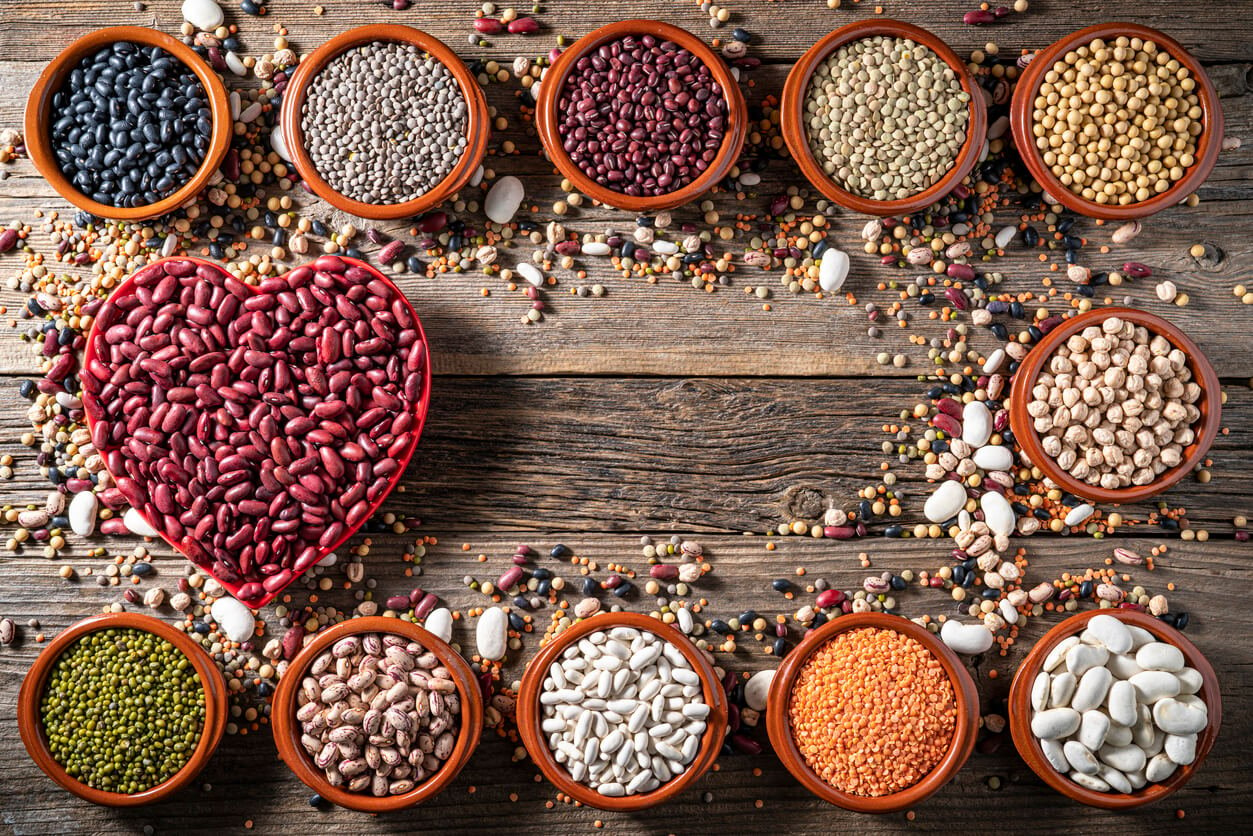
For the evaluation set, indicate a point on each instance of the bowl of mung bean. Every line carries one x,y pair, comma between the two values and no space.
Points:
122,709
621,712
128,123
384,122
1115,405
872,713
1117,121
883,118
1075,702
377,714
641,115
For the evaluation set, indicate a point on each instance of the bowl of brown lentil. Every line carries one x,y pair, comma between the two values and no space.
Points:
1028,746
396,172
904,709
1201,432
580,108
137,643
1070,117
337,644
957,96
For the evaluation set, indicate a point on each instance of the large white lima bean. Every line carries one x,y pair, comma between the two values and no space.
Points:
1115,709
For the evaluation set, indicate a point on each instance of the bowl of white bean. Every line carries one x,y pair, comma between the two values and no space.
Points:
1114,708
1115,405
621,712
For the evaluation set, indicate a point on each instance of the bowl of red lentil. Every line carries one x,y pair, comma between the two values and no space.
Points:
1093,44
1205,428
904,708
1028,746
797,136
720,122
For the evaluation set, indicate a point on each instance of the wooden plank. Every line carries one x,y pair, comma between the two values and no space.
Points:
248,783
724,455
1205,28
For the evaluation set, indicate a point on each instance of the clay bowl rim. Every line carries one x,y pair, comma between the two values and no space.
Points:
478,121
1029,748
1028,372
794,134
38,120
547,124
287,731
420,412
965,695
537,746
30,695
1024,101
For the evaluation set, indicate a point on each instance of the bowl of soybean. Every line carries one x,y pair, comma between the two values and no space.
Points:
138,680
959,97
1071,105
362,122
155,115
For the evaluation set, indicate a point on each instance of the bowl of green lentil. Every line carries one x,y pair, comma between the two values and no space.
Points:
1117,121
122,709
918,129
384,122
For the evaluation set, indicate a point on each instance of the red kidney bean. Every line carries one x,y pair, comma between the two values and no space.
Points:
255,428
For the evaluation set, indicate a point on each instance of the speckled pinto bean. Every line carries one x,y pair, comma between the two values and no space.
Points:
872,712
254,427
642,116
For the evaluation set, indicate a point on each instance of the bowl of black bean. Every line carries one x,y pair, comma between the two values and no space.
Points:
128,123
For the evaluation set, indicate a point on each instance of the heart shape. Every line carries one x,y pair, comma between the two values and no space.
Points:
255,428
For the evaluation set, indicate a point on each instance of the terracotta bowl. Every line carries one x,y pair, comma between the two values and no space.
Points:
420,414
797,137
287,729
31,694
1209,143
1029,748
550,130
537,745
478,123
779,726
1206,428
39,120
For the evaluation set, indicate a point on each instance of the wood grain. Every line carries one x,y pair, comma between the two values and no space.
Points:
248,783
662,409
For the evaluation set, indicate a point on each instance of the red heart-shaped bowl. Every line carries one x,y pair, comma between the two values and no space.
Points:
255,449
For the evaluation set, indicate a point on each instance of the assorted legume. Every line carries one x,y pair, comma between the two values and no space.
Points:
1118,121
623,710
1115,709
1115,405
886,117
642,116
384,123
380,714
123,710
131,125
255,428
872,711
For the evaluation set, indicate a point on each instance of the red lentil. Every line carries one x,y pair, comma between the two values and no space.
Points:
872,712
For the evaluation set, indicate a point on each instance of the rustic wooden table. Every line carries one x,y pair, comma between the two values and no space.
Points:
664,410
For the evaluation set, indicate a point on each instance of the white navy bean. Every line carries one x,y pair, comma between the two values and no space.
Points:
1058,654
1055,755
1091,690
1054,723
1093,729
1180,748
1061,689
1118,735
1190,681
1082,657
1122,703
1110,632
1152,686
1040,691
1089,781
1175,717
1125,758
1116,779
1159,768
1080,759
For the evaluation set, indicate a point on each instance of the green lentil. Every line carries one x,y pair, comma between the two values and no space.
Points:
123,710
